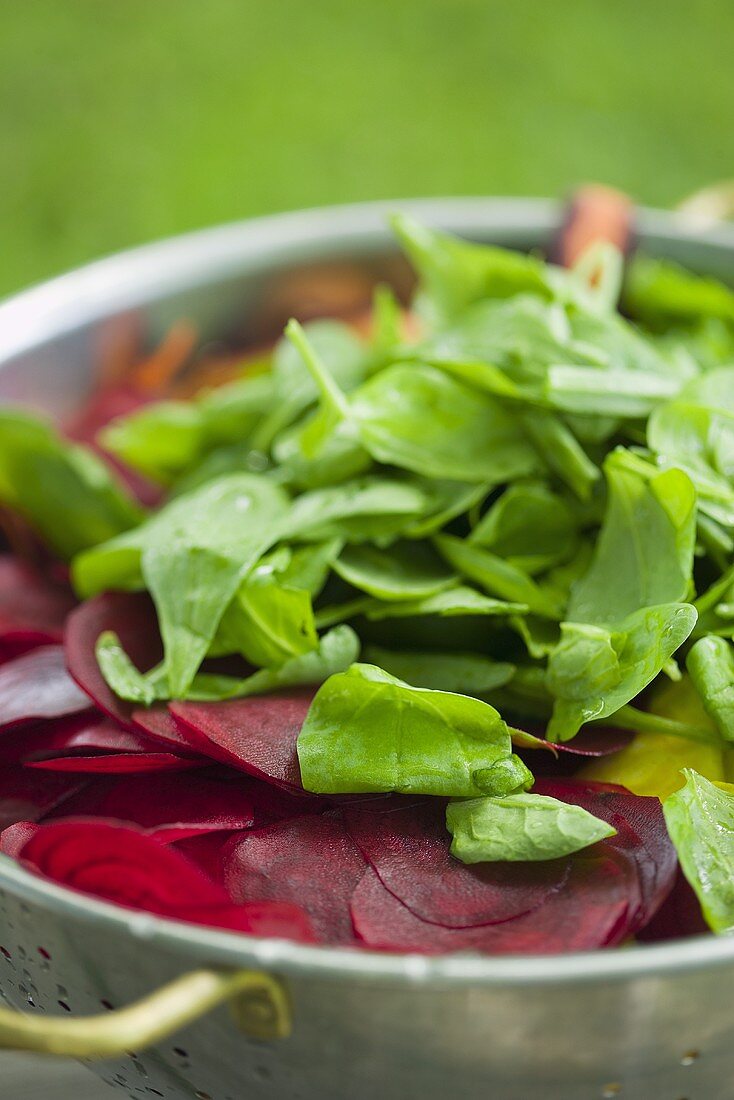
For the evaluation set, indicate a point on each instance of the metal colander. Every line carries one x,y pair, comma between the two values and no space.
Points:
216,1016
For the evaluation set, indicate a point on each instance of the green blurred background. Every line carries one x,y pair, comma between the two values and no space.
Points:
124,120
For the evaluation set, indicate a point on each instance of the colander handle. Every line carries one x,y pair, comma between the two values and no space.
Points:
259,1002
710,204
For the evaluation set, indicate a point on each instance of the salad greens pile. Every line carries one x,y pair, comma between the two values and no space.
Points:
479,540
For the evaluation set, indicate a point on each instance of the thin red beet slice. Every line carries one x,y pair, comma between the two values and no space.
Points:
209,852
28,797
37,686
121,864
257,734
680,915
642,837
589,912
131,615
32,608
169,807
122,763
14,838
81,734
407,844
311,861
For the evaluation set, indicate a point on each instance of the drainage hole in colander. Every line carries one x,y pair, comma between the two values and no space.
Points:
154,1092
106,1004
202,1096
64,1005
181,1052
690,1057
6,953
611,1090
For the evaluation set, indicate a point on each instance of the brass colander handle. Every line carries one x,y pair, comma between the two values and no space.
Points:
710,204
258,1001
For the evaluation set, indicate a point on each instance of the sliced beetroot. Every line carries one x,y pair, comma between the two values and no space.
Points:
37,685
169,807
679,916
407,844
274,919
14,838
33,608
311,861
131,615
121,763
121,864
589,912
25,796
642,837
80,734
258,734
157,723
209,851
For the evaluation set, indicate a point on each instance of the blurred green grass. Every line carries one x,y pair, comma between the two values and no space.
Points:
128,120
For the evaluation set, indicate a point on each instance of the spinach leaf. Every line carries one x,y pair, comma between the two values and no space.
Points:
63,490
455,273
589,391
266,622
367,731
660,291
520,827
417,417
530,526
496,576
560,450
408,570
159,440
454,601
166,439
335,652
192,557
595,670
344,355
462,673
700,820
710,664
644,553
366,509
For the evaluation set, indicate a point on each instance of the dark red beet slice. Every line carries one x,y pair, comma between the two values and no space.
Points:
642,837
32,608
122,865
589,912
87,733
680,915
311,861
407,844
132,617
37,686
122,763
25,796
169,807
257,735
209,852
14,838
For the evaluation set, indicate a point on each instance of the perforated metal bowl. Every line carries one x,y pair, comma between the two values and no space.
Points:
647,1023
